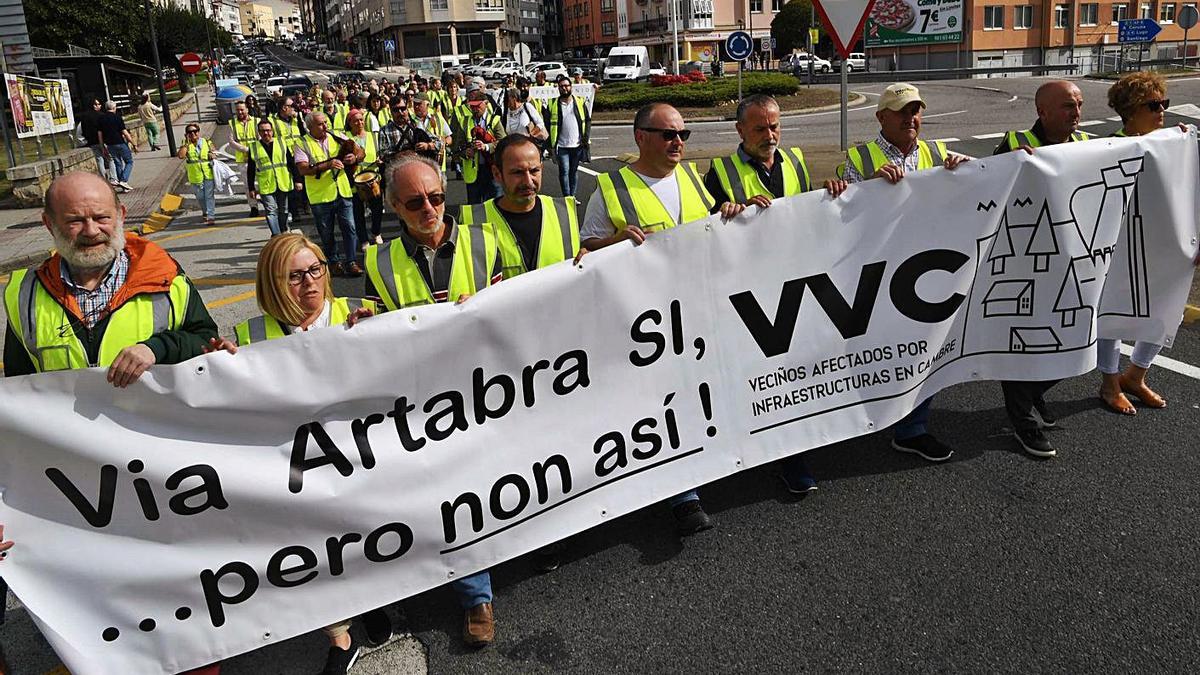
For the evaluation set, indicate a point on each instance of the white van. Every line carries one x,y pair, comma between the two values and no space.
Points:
627,64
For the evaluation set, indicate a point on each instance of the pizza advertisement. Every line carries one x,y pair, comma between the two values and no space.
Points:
911,22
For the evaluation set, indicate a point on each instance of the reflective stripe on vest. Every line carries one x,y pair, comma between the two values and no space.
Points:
554,107
288,132
399,282
629,201
1016,139
327,188
869,157
558,239
264,327
369,153
748,183
44,326
244,133
199,162
470,165
270,171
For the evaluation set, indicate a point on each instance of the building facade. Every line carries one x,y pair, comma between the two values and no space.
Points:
425,28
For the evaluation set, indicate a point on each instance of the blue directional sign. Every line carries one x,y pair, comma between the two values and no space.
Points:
1137,30
389,45
739,45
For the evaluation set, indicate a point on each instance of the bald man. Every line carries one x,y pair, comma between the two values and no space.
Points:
1059,106
101,299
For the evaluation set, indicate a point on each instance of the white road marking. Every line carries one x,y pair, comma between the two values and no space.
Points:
1186,110
947,140
945,114
1015,97
1091,123
984,137
589,171
599,138
998,91
1185,369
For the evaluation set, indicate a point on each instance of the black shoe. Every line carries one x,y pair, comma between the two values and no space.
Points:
253,211
690,518
378,627
548,558
339,661
1045,419
925,445
796,477
1034,443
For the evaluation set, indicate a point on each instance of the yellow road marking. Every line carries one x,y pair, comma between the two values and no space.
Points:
206,230
61,670
230,300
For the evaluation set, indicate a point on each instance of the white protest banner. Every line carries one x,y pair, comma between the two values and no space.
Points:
236,500
549,92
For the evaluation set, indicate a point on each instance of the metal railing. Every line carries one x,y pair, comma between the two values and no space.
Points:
933,74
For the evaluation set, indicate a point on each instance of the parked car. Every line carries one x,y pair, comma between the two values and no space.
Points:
552,69
490,62
693,67
499,70
589,67
275,84
800,64
857,61
656,68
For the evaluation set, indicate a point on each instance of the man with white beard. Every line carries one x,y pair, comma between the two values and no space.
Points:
100,299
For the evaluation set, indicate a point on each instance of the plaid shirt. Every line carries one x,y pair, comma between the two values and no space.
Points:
93,305
395,138
907,162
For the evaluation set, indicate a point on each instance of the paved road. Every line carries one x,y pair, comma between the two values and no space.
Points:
990,562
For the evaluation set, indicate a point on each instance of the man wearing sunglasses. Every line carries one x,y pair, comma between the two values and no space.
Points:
656,192
1059,106
325,161
569,121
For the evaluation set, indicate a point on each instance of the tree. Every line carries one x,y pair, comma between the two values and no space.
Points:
103,26
789,29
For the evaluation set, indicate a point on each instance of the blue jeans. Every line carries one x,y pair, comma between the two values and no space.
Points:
276,207
342,211
483,189
914,423
205,197
689,496
122,158
473,590
568,169
104,166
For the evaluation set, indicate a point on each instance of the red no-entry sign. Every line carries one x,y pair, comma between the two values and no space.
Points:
190,63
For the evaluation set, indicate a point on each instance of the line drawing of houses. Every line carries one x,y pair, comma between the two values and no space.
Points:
1038,340
1009,298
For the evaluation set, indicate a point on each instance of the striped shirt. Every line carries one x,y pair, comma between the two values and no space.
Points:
93,304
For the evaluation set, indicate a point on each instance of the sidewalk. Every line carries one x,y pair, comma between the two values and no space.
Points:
24,242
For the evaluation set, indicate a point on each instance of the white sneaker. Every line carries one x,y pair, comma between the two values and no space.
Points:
125,185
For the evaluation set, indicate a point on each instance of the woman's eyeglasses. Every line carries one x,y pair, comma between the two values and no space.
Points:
671,134
435,200
315,272
1158,106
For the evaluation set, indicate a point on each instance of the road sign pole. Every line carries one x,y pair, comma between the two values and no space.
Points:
1185,45
740,81
197,95
162,90
844,115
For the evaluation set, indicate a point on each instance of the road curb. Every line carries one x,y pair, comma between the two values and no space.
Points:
855,99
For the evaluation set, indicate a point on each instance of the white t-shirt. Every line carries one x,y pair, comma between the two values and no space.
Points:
597,224
520,119
569,135
321,322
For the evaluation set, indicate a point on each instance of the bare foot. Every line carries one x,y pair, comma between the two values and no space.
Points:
1144,394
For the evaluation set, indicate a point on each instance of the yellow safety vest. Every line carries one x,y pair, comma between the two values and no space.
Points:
199,162
1016,139
288,132
370,155
44,326
868,157
491,122
554,122
748,184
244,133
327,188
270,171
398,280
381,118
629,201
559,239
267,327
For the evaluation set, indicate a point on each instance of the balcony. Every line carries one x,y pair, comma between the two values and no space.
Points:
649,26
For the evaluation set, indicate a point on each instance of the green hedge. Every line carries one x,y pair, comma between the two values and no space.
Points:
627,96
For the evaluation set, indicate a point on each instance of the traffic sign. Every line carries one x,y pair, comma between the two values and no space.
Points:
1137,30
844,21
389,45
1187,17
766,44
521,54
190,62
739,45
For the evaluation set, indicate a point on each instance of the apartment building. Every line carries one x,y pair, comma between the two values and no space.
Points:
591,27
424,28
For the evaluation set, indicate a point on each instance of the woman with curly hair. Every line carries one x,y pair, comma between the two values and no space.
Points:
1141,101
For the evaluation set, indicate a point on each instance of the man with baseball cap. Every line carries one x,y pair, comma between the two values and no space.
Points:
895,151
475,136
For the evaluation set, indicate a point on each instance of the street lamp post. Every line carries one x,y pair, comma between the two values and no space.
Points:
675,40
162,90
